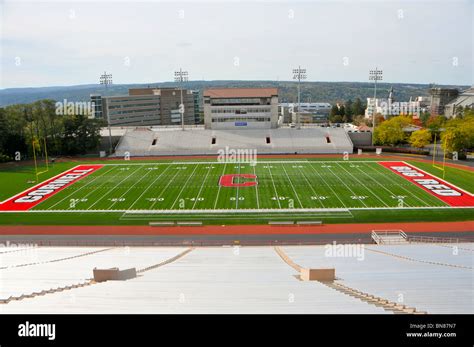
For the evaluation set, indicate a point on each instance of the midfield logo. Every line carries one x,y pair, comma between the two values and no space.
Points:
229,180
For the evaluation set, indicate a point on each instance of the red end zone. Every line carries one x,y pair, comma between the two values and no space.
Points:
33,196
443,190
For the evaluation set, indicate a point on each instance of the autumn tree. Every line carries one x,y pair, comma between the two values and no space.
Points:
391,132
420,138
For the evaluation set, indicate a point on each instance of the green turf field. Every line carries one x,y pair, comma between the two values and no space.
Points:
331,190
195,186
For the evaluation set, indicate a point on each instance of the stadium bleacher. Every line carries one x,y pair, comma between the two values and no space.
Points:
237,280
198,141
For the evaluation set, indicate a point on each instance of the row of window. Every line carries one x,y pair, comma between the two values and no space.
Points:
240,101
113,101
131,105
112,113
240,119
241,111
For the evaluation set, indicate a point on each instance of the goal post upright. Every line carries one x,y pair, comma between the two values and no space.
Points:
35,142
33,145
435,153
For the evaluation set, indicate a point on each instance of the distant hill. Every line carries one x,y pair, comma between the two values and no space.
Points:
310,91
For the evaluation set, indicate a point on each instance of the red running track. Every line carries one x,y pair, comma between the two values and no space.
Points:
467,226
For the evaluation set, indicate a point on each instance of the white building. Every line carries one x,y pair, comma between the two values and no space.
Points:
388,107
241,108
309,111
464,100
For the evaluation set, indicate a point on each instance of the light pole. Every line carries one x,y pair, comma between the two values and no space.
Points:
180,77
374,75
106,79
299,74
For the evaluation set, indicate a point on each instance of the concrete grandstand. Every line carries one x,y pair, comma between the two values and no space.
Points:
410,278
199,141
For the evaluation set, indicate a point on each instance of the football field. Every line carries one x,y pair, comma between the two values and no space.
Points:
267,185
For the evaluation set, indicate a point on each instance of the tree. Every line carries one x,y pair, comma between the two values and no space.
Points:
342,111
459,133
336,114
13,137
334,111
424,117
357,108
25,126
420,138
390,132
435,124
81,134
459,112
348,112
359,120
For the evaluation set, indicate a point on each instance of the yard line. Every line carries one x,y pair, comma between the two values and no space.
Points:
274,187
202,185
98,187
184,186
149,186
401,186
291,184
237,193
256,187
75,191
373,179
311,187
133,185
118,184
164,189
219,190
370,190
344,183
333,191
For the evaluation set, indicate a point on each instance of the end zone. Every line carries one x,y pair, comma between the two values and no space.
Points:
446,192
35,195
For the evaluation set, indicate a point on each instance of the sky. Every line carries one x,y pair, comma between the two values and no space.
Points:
62,42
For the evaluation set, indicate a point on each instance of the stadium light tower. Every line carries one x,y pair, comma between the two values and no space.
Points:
299,74
375,75
180,77
105,79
